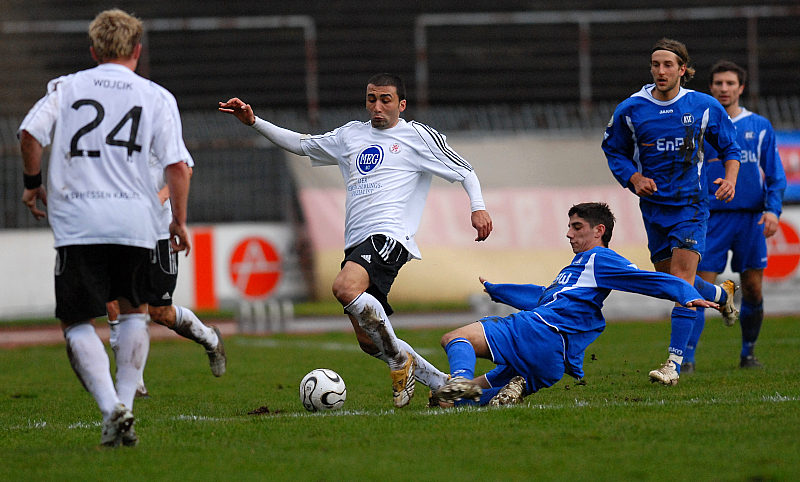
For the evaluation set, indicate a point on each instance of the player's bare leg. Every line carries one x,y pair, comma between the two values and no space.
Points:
185,323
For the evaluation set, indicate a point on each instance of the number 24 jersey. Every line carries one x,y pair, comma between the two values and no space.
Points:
106,123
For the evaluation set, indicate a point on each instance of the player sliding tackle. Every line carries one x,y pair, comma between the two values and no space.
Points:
547,338
387,165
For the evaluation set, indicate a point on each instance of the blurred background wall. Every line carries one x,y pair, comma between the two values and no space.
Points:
523,89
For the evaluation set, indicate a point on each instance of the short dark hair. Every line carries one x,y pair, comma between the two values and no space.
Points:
679,49
727,66
596,213
386,79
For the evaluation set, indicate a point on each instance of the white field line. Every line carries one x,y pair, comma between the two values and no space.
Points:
329,346
578,404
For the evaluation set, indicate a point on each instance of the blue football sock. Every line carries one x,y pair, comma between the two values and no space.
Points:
488,394
461,357
750,317
710,291
682,323
694,338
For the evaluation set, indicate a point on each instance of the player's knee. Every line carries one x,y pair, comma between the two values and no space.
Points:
163,315
751,291
753,296
344,292
447,338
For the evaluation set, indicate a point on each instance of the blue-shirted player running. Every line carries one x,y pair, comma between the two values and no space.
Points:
535,347
654,146
742,225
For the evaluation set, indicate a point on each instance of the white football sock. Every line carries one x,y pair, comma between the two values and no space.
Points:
188,325
424,371
134,345
373,320
89,360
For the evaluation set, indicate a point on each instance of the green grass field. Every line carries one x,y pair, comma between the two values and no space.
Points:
721,423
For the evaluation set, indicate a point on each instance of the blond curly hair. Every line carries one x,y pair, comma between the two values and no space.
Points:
115,34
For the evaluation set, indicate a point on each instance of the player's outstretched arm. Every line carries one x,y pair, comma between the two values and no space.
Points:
702,304
239,109
283,138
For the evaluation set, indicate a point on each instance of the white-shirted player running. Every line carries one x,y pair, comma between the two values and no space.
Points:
387,165
106,123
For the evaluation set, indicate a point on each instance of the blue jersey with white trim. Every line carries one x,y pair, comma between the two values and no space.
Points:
664,140
761,180
573,302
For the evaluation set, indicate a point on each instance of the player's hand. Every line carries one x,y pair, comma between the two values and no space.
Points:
179,237
702,304
240,109
482,223
29,197
643,186
726,190
770,222
483,280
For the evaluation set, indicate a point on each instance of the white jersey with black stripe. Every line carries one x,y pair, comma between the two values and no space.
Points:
387,174
107,124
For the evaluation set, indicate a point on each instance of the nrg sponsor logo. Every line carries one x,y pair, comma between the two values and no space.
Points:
369,159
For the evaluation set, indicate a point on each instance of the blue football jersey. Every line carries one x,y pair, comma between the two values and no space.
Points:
573,302
761,180
665,142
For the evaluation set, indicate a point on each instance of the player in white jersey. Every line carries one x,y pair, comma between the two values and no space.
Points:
387,165
162,279
106,122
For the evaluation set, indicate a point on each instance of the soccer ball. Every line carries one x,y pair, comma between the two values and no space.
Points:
322,389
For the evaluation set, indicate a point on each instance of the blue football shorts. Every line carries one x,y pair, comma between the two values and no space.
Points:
671,227
521,344
739,232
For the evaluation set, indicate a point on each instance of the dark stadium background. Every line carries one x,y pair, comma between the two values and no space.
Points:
494,77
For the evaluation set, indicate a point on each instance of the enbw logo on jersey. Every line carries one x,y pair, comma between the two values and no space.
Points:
369,159
688,119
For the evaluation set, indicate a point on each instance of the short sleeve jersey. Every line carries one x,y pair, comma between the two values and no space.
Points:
387,174
664,140
761,180
107,123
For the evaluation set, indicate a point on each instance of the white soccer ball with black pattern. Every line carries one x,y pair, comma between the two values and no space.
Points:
322,389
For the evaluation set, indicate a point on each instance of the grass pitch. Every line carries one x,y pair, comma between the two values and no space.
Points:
721,423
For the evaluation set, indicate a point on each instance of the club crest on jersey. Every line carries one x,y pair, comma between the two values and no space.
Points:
369,159
395,148
687,119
